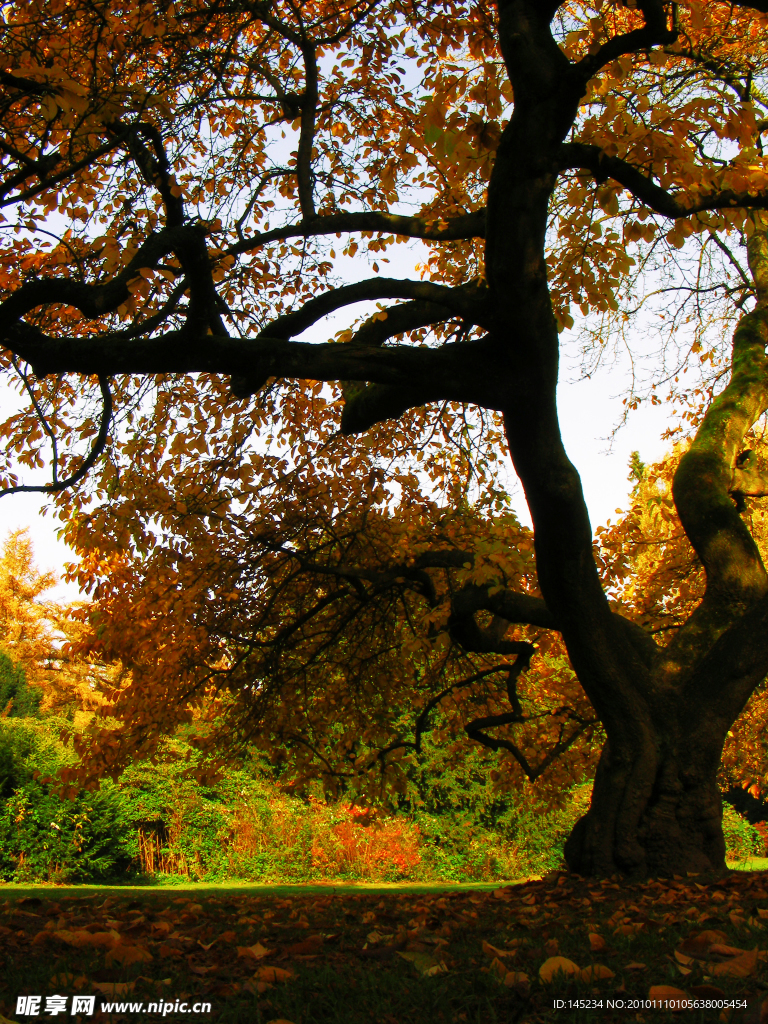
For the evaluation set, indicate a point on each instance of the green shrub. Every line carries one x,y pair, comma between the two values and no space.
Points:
16,695
42,836
742,840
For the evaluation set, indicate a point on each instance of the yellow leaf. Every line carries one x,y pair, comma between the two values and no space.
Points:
557,965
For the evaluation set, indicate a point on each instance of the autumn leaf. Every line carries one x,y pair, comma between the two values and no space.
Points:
596,942
596,972
118,988
121,954
739,967
255,952
557,965
272,974
424,963
494,951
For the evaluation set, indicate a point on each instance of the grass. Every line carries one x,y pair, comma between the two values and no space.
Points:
358,954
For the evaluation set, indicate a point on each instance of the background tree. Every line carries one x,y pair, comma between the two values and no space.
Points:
200,160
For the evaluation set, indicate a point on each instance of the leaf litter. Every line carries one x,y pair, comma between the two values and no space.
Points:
557,937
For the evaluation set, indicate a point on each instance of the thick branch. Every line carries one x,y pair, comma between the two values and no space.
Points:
654,32
470,225
736,577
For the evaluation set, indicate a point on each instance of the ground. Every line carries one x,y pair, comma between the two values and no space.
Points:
396,955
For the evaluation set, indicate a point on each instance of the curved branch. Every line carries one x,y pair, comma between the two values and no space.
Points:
655,32
469,225
578,155
98,447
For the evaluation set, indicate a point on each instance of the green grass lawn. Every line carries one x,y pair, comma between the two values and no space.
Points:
402,954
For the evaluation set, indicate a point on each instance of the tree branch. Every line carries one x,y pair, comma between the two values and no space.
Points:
98,447
469,225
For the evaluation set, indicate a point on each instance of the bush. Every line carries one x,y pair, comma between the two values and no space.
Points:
42,836
742,840
17,698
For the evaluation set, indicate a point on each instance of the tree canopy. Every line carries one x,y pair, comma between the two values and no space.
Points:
184,185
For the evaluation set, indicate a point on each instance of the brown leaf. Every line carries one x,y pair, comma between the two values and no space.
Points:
707,992
596,972
270,975
739,967
116,988
164,950
493,951
596,942
635,966
557,965
698,945
255,952
683,959
517,980
314,943
666,992
82,938
127,955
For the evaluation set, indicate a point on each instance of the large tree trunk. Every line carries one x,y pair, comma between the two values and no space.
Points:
656,808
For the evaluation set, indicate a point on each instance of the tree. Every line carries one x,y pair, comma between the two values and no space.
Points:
200,157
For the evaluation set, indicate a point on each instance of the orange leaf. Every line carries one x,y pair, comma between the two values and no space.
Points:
557,965
127,955
596,942
596,972
256,952
272,974
116,988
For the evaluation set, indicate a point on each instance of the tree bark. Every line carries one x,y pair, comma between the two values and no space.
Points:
656,807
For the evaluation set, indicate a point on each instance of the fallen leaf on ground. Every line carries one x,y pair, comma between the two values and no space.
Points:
314,944
635,966
256,952
557,965
272,974
666,992
114,988
739,967
80,939
695,945
683,959
596,972
493,951
165,950
424,963
719,949
126,955
517,979
707,992
596,942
